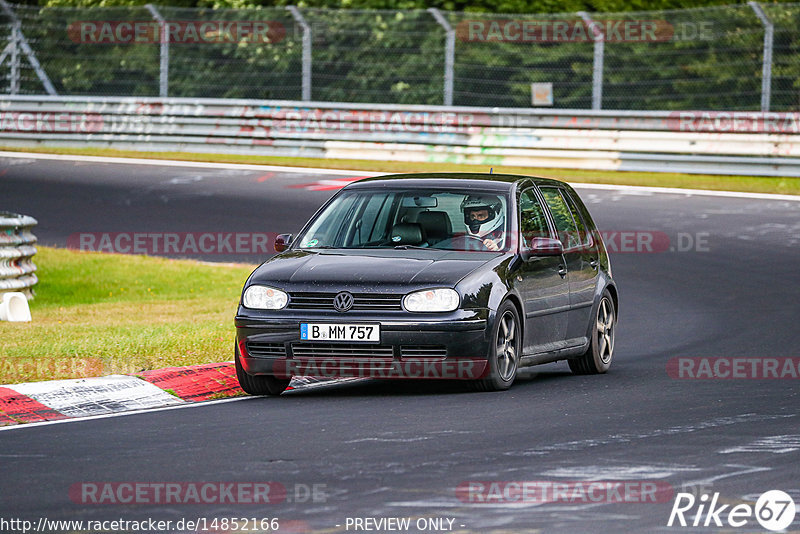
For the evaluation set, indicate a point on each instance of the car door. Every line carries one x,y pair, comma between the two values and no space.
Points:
580,257
541,282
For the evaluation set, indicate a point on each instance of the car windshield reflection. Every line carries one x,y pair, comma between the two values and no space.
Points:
451,219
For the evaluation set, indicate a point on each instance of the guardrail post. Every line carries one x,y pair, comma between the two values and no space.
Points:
766,66
301,21
19,39
163,76
449,54
599,55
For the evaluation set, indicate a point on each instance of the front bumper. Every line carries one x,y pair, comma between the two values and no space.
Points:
457,343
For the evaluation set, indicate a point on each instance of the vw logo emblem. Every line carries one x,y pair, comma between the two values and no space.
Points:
343,301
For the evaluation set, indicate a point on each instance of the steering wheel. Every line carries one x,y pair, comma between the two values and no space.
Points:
448,243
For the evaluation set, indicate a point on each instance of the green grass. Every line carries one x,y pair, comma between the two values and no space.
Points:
97,314
755,184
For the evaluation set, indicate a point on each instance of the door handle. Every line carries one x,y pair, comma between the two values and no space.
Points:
594,264
562,271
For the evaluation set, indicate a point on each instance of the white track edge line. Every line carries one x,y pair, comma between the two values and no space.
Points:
120,414
188,404
179,163
341,172
687,192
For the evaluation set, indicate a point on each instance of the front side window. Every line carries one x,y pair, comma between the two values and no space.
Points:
532,220
429,218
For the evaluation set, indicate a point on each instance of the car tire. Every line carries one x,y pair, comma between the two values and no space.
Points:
598,356
504,351
259,384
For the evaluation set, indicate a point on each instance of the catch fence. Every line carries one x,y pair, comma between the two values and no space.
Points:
740,57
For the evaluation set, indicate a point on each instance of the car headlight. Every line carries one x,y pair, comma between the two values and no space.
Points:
264,298
431,300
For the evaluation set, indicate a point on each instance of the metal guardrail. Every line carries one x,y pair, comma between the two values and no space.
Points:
737,143
16,252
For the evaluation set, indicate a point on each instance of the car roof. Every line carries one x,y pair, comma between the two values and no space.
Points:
498,182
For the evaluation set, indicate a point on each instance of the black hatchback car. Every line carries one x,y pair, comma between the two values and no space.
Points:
465,276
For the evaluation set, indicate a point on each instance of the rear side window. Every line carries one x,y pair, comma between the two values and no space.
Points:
562,216
584,236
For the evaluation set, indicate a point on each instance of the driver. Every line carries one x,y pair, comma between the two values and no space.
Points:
485,220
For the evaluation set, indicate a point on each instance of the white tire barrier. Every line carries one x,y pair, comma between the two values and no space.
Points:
17,270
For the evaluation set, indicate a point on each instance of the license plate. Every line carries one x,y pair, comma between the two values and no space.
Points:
367,333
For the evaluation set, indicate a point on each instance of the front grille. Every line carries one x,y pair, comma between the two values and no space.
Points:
423,351
361,301
340,350
266,350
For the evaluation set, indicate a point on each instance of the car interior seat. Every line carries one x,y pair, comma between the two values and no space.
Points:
436,226
407,234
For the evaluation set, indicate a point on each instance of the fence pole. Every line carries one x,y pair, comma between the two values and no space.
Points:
301,21
14,63
766,66
163,69
599,55
449,54
21,43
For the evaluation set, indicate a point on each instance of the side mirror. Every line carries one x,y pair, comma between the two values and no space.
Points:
542,246
282,242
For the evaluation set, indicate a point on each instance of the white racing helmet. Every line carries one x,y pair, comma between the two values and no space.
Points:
492,205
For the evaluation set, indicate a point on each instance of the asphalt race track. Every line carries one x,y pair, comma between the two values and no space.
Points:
726,284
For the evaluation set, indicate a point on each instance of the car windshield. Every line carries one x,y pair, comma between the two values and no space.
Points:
440,219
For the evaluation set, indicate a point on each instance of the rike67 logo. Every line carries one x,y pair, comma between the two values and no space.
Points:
774,510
